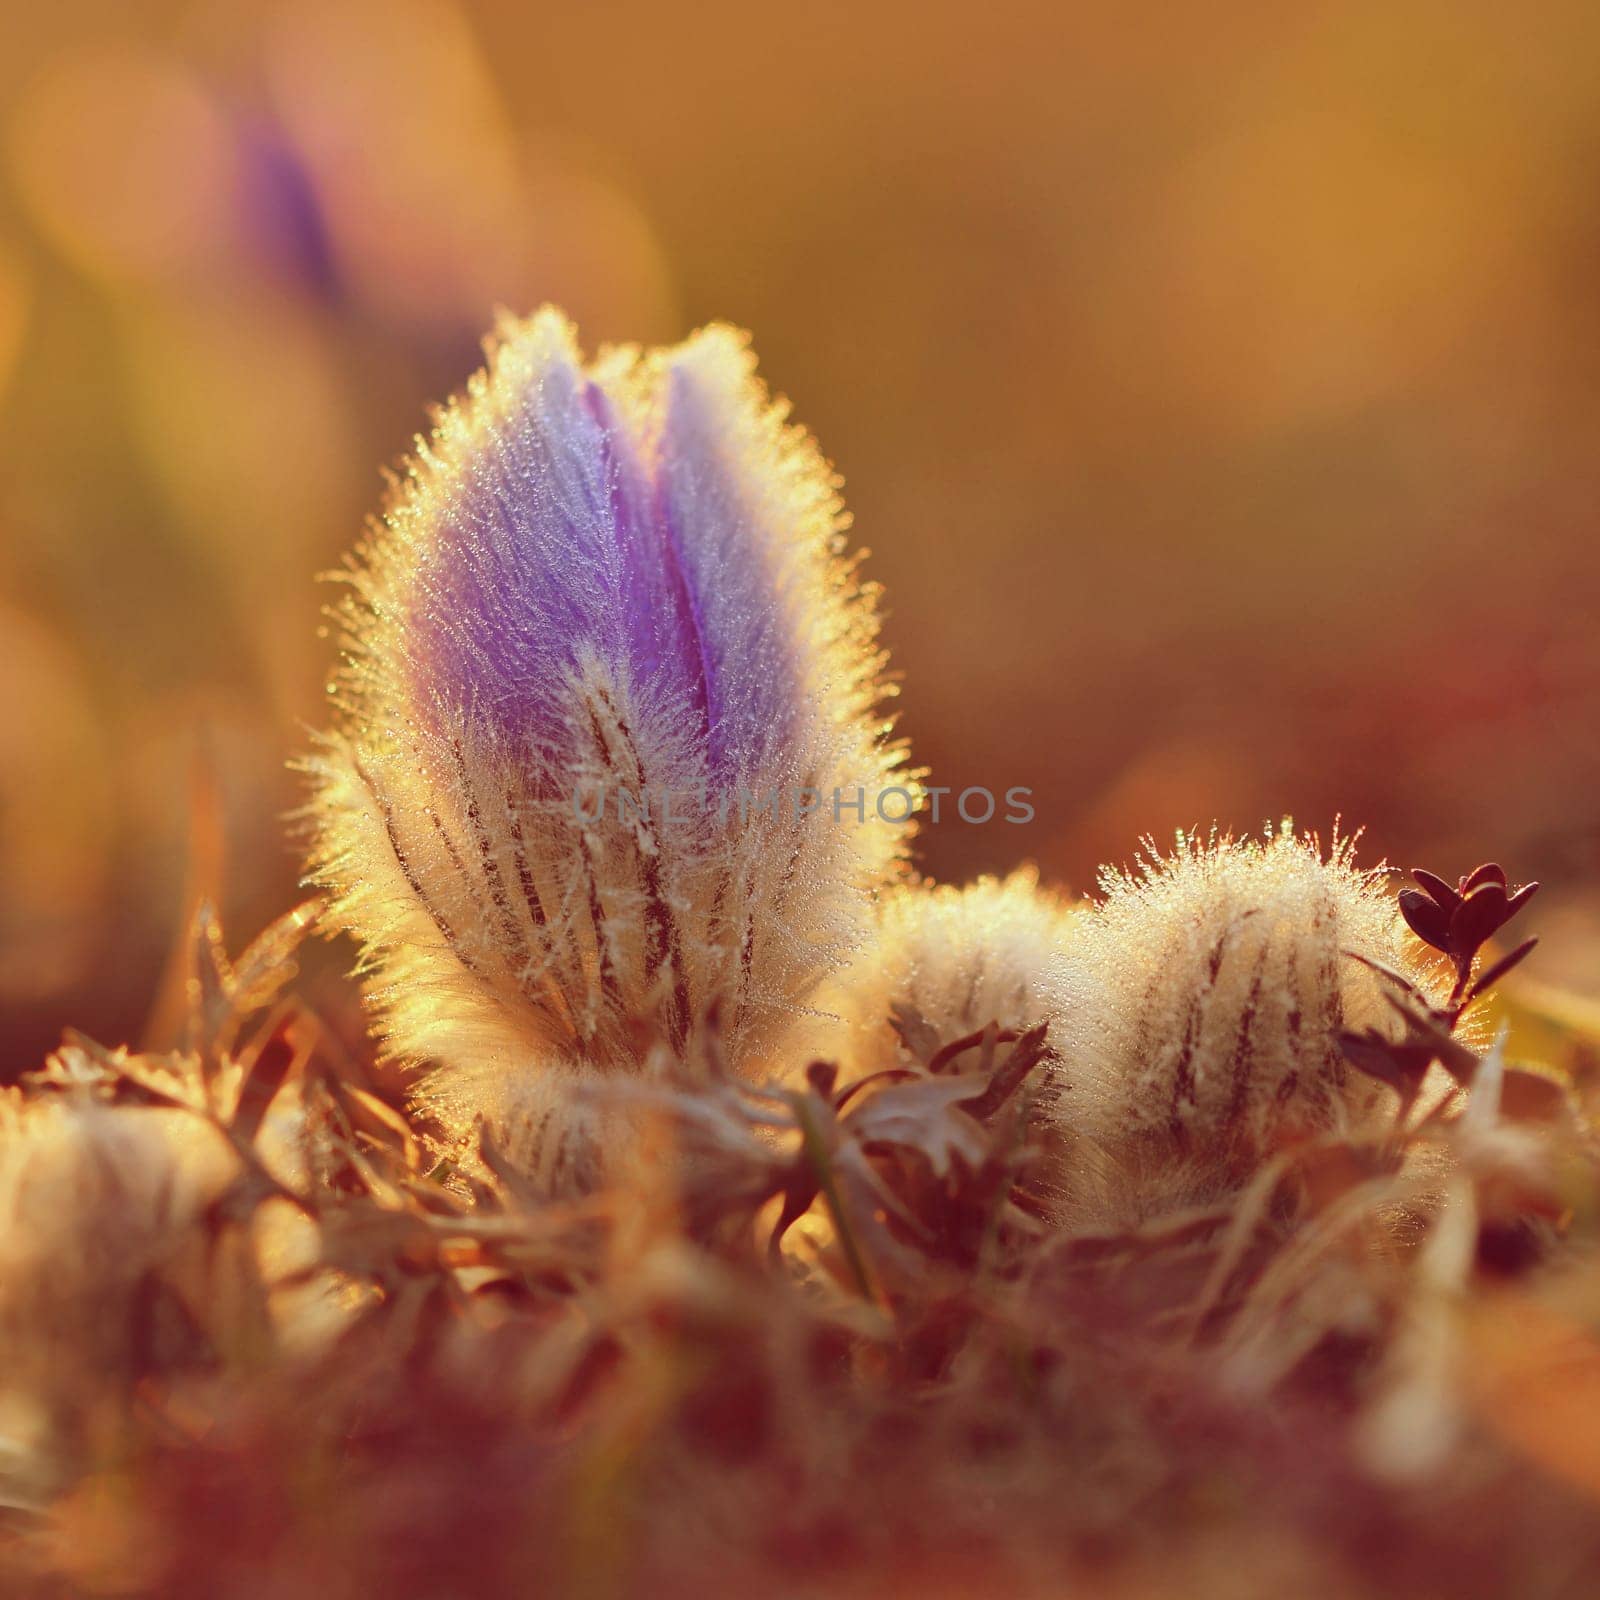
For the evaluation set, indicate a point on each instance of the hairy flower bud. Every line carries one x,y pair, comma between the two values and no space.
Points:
957,959
1205,995
605,665
102,1208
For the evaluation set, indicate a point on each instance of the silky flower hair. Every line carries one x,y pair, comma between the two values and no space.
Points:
608,754
958,959
1205,995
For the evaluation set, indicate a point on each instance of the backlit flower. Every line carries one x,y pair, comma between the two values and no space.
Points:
955,959
607,751
1205,998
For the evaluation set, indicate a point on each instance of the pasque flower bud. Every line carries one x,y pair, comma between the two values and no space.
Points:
1205,995
957,959
602,655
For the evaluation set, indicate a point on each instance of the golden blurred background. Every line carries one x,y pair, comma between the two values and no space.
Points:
1216,388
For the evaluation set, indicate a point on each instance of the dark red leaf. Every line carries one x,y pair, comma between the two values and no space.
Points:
1487,980
1400,1066
1426,918
1520,899
1476,919
1436,887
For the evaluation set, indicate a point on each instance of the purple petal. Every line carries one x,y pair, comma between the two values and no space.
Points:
540,546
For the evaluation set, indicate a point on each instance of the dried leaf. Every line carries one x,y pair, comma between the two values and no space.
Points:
266,965
928,1117
916,1033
